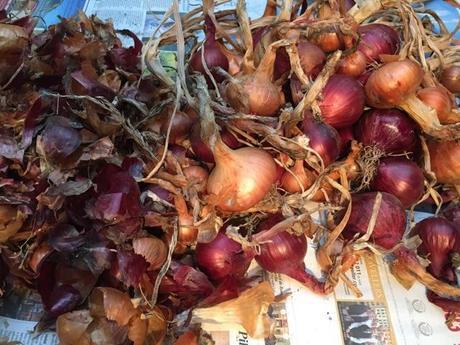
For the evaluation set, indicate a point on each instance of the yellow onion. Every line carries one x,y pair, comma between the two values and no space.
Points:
297,179
438,99
450,78
197,176
445,161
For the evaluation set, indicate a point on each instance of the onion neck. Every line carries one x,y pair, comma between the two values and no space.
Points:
270,9
427,119
299,273
267,65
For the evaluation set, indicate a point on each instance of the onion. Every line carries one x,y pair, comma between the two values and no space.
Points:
297,179
452,213
376,40
450,78
352,65
255,93
439,237
285,253
346,136
341,101
202,151
390,222
324,139
222,258
241,178
390,130
445,161
438,99
180,128
401,177
197,176
213,54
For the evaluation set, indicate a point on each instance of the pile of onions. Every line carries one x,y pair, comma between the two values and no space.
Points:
438,99
445,161
222,258
285,253
377,39
390,222
390,130
440,238
450,78
202,151
213,54
255,92
341,101
400,177
324,139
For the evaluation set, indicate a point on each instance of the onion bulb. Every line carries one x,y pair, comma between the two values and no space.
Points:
445,161
401,177
377,39
438,99
341,101
352,65
298,179
390,221
450,78
255,93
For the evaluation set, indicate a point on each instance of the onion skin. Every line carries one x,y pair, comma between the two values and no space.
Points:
324,139
391,130
438,99
401,177
439,237
392,83
241,177
353,65
389,226
342,101
450,78
197,176
377,39
180,128
222,258
445,161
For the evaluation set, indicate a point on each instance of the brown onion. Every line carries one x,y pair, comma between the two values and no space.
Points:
341,101
450,78
197,176
298,179
438,99
352,65
255,93
445,161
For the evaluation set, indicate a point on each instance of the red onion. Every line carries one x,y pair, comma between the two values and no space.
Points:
341,101
390,223
222,258
452,213
377,39
390,130
213,55
352,65
202,151
439,237
401,177
180,127
346,136
285,253
324,139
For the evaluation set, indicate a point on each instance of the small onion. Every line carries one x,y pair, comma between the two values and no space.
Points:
439,237
341,101
222,258
450,78
390,222
438,99
241,178
445,161
324,139
390,130
197,176
352,65
401,177
377,39
180,127
297,179
312,58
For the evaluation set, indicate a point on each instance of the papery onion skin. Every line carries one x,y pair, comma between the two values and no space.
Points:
439,237
445,161
377,39
391,130
450,78
60,141
324,139
222,258
392,83
341,101
352,65
401,177
241,177
438,99
390,223
197,176
312,58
